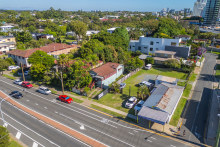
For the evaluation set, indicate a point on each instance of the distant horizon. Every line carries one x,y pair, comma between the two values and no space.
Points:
97,5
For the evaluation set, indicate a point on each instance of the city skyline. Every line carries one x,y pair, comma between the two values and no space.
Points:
86,5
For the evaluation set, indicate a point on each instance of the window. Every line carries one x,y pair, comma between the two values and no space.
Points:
157,42
130,46
151,49
139,48
145,47
151,43
22,57
157,49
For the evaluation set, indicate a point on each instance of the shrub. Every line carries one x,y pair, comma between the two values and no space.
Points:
149,60
172,63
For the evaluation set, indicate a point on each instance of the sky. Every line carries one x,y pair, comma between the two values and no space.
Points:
103,5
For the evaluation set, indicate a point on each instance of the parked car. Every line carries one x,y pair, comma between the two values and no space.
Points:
18,82
148,84
122,85
138,106
65,98
16,94
44,90
26,84
148,66
12,67
131,102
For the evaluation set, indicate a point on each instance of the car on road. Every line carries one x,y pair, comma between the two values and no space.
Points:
26,84
16,94
12,67
18,82
131,102
122,85
138,106
44,90
65,98
148,66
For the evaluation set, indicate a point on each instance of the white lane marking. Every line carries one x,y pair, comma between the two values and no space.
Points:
35,144
130,133
56,112
27,100
54,127
82,127
149,140
5,125
36,104
81,110
18,135
98,130
153,138
135,131
28,129
45,107
172,145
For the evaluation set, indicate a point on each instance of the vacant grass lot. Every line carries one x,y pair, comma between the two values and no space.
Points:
177,114
117,100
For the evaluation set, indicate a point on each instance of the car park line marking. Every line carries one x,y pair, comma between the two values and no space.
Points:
54,127
149,140
172,145
135,131
99,131
28,129
130,133
35,144
18,135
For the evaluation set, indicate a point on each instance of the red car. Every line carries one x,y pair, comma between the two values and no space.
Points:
65,98
26,84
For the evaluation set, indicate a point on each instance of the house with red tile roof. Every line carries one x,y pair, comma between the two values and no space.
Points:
55,49
106,74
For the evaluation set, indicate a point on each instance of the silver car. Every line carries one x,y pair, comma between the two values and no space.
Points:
18,82
44,90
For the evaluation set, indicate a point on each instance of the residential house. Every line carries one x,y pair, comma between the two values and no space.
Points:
163,79
111,30
7,43
162,56
55,49
38,36
148,45
183,37
181,51
106,74
161,105
6,28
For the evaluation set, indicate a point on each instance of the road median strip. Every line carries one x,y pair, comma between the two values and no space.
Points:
54,123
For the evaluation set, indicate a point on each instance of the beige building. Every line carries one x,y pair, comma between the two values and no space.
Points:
7,43
55,49
162,56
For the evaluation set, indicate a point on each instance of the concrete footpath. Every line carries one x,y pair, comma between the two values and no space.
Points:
53,123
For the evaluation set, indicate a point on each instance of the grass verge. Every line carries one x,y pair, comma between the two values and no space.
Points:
9,77
177,114
77,100
187,90
192,77
107,111
13,143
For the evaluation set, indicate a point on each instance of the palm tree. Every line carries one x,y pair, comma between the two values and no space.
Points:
143,92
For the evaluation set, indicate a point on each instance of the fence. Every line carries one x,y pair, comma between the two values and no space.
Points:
102,94
127,76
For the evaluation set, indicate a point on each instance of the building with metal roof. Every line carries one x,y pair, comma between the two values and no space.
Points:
160,106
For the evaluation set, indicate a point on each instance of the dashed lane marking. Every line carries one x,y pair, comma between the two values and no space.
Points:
45,107
149,140
27,100
130,133
18,135
36,104
153,138
172,145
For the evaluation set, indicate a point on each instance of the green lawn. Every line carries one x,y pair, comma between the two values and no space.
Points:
192,77
77,100
166,72
14,144
187,90
116,100
217,74
9,77
177,114
67,40
107,111
181,84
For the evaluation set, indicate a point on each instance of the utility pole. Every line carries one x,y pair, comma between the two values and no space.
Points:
22,72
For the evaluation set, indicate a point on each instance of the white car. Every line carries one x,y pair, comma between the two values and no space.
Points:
44,90
18,82
148,84
131,102
148,66
139,105
13,67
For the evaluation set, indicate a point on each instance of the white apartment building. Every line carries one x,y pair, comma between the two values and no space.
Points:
148,45
6,28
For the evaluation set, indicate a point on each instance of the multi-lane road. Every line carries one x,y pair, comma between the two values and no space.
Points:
102,128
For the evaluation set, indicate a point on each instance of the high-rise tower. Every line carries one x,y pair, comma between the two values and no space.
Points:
212,13
198,9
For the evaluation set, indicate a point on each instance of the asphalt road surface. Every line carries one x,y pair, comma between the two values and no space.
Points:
196,114
105,129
